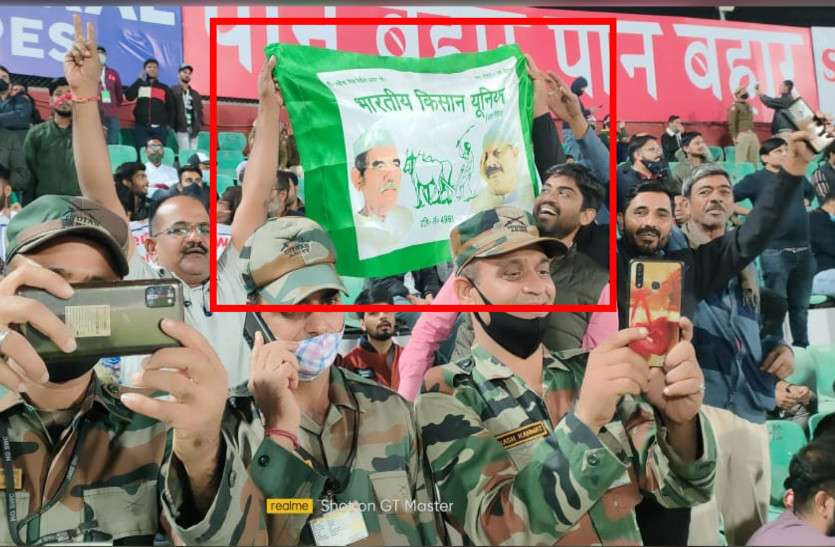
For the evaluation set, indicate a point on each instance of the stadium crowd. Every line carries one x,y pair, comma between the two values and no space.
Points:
506,428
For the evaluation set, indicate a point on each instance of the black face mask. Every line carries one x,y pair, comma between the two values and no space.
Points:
656,167
64,371
521,337
4,86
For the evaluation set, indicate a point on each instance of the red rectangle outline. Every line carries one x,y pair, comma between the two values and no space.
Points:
214,22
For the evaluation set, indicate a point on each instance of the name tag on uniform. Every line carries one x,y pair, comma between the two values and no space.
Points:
522,435
105,96
342,526
18,480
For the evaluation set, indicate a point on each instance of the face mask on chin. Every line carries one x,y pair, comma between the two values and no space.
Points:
316,355
520,337
656,167
64,371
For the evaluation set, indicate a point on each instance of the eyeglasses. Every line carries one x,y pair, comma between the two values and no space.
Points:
155,146
181,229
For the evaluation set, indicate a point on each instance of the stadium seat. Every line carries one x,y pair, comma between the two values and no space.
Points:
184,155
128,137
227,171
119,154
813,166
229,158
785,439
717,152
825,367
167,157
224,182
673,165
231,140
743,169
354,286
203,140
816,299
730,153
815,420
171,141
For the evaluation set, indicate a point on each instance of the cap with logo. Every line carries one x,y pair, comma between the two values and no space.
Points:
53,216
185,66
287,259
496,232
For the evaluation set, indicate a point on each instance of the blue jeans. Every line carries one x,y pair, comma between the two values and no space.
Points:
113,128
789,273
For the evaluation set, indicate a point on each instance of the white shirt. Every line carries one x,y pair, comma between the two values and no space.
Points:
223,330
161,177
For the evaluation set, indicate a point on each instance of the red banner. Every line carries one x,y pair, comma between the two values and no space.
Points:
666,65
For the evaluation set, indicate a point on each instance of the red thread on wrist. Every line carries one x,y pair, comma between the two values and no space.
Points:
283,433
77,99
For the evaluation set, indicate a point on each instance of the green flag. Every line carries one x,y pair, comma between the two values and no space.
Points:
396,151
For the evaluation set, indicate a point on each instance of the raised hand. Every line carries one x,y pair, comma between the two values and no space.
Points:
82,67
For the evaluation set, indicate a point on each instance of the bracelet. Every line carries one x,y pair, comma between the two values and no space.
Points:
76,99
283,433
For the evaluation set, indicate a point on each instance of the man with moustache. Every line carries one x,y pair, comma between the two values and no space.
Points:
178,243
132,189
646,224
381,223
739,381
377,356
500,172
48,147
188,110
696,153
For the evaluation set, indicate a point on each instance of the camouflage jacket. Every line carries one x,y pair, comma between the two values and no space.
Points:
520,469
385,466
113,493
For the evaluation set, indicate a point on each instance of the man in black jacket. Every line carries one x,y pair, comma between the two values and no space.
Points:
188,104
822,227
671,139
646,224
781,121
132,189
154,111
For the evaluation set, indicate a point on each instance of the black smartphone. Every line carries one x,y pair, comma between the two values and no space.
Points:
111,318
253,322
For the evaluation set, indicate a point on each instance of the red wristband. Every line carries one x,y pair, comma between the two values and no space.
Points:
283,433
77,99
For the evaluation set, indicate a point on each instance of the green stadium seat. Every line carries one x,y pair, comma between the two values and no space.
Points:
717,152
825,368
184,155
354,286
743,169
785,439
227,171
815,420
128,137
167,156
816,299
231,140
224,182
119,154
730,153
813,166
171,141
203,140
229,158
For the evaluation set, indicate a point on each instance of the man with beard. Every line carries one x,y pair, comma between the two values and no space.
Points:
696,153
15,119
739,381
646,164
787,263
500,172
179,227
62,425
132,189
48,147
532,447
646,224
188,108
377,355
811,520
160,176
671,139
301,428
190,184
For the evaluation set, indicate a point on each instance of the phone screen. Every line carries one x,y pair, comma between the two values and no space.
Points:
655,304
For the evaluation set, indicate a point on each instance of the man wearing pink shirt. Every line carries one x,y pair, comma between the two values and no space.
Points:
567,206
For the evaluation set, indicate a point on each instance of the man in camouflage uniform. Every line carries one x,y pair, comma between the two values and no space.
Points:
77,464
535,448
303,428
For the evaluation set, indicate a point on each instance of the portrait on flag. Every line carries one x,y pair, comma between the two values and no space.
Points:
398,150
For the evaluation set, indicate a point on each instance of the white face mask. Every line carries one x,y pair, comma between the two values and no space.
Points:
205,175
316,354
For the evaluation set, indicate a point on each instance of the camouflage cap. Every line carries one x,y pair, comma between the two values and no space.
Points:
53,216
287,259
498,231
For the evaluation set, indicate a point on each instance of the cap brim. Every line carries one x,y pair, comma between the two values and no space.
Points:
86,232
297,285
553,248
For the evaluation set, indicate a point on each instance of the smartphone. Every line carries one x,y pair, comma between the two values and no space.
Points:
655,304
799,112
253,322
111,318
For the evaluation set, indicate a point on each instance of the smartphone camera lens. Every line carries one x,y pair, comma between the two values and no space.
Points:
162,296
656,285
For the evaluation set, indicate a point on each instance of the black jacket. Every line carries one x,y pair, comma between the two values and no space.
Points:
154,103
135,210
823,239
709,268
180,122
670,145
781,120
